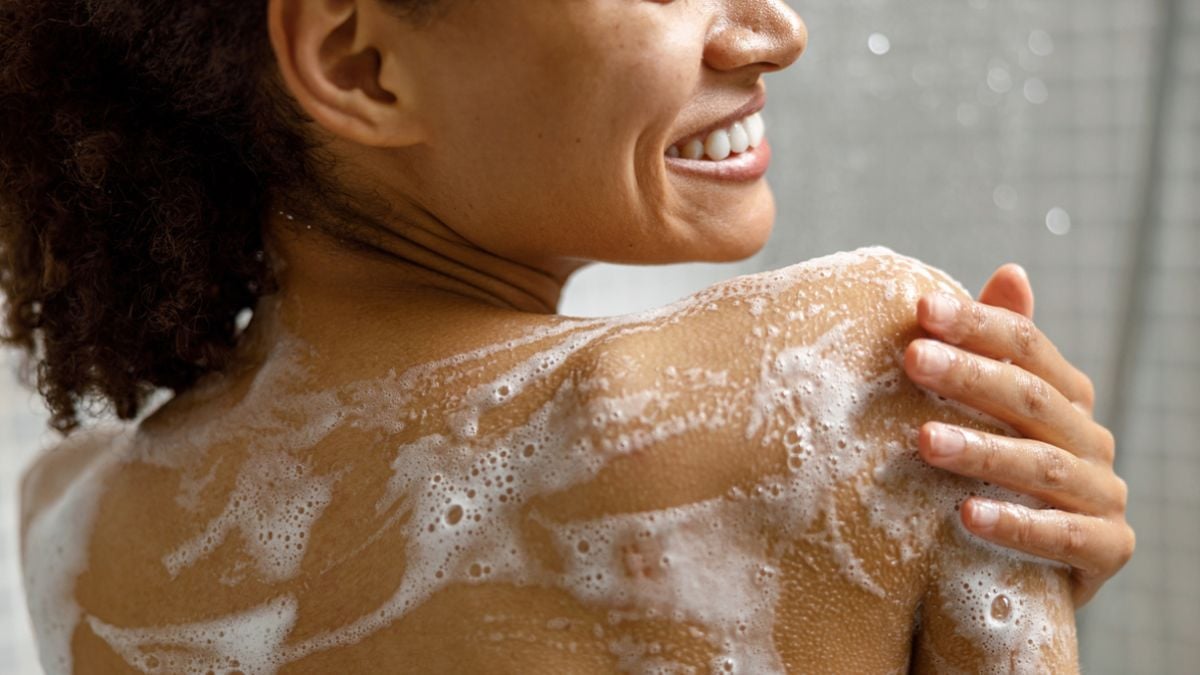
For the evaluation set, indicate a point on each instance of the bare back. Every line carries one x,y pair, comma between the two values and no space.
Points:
728,484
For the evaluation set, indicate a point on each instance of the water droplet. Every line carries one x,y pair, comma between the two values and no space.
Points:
998,79
1035,91
1005,197
879,44
1058,221
1001,608
1040,43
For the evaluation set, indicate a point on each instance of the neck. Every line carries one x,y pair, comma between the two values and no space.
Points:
413,261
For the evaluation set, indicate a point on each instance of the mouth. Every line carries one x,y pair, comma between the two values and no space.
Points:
733,148
739,132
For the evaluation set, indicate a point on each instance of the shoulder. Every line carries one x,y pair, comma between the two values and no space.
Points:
861,305
59,468
874,287
60,496
766,422
727,390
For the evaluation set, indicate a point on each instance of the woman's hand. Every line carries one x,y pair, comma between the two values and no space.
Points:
991,357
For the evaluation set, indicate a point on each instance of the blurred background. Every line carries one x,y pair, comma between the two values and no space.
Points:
1063,135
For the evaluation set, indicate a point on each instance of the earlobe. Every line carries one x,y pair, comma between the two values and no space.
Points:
328,61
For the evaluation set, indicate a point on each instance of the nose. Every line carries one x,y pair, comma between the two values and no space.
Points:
765,34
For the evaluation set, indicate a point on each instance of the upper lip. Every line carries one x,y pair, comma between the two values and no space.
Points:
755,104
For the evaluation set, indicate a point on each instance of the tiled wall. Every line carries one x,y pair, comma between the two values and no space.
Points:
963,138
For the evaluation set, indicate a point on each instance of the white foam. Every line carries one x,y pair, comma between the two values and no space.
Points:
998,616
667,563
55,554
274,504
248,642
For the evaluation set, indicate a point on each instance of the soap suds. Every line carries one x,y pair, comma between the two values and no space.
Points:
274,504
247,642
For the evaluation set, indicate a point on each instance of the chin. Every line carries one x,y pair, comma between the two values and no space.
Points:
740,236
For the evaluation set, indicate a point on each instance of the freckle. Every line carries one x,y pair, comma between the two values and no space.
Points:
578,139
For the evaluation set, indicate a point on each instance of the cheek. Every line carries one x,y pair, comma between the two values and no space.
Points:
549,138
557,155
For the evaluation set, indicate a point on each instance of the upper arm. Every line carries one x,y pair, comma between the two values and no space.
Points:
867,320
986,611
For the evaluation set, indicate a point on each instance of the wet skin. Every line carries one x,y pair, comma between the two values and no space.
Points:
356,556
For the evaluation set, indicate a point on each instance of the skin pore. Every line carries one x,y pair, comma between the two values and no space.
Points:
626,474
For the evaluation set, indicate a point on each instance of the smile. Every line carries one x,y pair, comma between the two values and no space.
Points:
721,144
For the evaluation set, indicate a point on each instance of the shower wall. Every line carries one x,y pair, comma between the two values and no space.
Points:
970,133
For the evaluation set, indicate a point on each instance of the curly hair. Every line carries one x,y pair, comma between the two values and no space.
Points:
141,145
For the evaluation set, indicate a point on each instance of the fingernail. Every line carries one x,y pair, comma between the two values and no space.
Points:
933,359
942,309
946,441
986,515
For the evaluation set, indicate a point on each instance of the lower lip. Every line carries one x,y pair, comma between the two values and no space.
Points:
748,166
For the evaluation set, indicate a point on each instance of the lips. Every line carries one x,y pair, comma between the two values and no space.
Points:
745,167
733,148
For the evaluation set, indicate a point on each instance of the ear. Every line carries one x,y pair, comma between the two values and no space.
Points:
337,59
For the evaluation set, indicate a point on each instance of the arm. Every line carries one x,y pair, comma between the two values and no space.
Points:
899,500
987,612
984,609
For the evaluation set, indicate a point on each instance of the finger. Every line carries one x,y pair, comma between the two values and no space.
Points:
1009,288
1037,469
1006,336
1008,393
1094,546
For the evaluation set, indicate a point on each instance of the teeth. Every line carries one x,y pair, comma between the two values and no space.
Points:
716,146
755,129
739,141
739,137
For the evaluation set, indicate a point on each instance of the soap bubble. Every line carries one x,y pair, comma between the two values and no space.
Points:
1001,608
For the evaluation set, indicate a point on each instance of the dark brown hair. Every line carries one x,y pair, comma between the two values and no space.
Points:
142,143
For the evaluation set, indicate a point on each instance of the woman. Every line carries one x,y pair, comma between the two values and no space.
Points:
407,462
